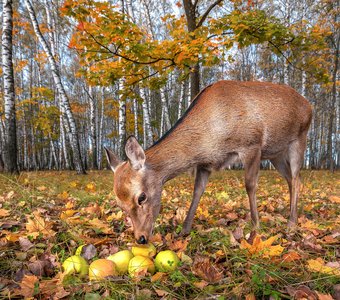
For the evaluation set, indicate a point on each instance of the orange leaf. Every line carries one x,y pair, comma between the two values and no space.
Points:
27,286
157,276
4,212
291,256
263,248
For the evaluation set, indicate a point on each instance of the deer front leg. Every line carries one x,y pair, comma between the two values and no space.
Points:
252,166
201,180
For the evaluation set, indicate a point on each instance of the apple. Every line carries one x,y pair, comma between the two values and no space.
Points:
166,261
101,268
75,264
140,263
148,250
121,259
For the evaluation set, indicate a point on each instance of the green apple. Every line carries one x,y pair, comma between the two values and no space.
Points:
140,263
75,264
121,259
148,250
101,268
166,261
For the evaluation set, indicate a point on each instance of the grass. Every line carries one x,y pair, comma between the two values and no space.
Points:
223,209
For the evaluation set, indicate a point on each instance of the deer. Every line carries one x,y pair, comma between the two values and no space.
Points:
228,122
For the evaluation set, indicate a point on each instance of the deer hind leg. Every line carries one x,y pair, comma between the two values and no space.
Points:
201,180
282,165
296,155
252,165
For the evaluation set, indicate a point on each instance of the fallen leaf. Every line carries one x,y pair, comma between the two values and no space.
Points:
301,292
28,286
4,213
324,296
161,293
201,284
250,296
207,270
25,243
157,276
334,199
318,265
263,248
100,225
37,225
291,256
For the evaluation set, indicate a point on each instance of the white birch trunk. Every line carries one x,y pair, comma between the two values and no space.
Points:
135,115
10,147
93,128
100,134
189,94
181,100
166,125
147,132
62,93
121,120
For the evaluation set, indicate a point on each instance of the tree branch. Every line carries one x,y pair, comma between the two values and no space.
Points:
205,15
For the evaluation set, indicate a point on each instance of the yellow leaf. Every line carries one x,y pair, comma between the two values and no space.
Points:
263,248
100,225
67,213
90,187
64,195
318,265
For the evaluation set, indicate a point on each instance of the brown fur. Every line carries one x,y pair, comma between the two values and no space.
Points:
228,121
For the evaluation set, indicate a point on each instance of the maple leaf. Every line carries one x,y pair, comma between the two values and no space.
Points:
263,248
37,225
28,286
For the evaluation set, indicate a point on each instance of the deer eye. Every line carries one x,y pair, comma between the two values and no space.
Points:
141,198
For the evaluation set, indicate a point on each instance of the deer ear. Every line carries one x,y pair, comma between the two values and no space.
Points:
112,159
135,153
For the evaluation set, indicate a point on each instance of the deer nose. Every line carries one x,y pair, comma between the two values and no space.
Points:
142,240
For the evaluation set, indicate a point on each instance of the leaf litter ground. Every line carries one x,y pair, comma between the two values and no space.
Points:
45,216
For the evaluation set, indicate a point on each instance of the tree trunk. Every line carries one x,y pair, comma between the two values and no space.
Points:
10,147
62,93
135,115
148,139
93,128
121,121
165,124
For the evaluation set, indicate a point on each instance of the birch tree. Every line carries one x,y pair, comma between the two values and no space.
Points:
61,90
10,137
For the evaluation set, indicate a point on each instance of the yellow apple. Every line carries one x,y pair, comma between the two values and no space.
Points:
121,259
75,264
140,263
101,268
148,250
166,261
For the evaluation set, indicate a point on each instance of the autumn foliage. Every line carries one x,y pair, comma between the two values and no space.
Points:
45,216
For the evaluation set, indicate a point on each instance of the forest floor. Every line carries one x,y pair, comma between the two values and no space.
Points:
45,216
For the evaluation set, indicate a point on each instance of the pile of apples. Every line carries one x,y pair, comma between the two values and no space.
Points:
137,261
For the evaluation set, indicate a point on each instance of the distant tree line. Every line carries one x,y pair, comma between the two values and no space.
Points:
78,75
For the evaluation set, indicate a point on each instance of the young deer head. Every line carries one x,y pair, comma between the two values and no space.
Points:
137,189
